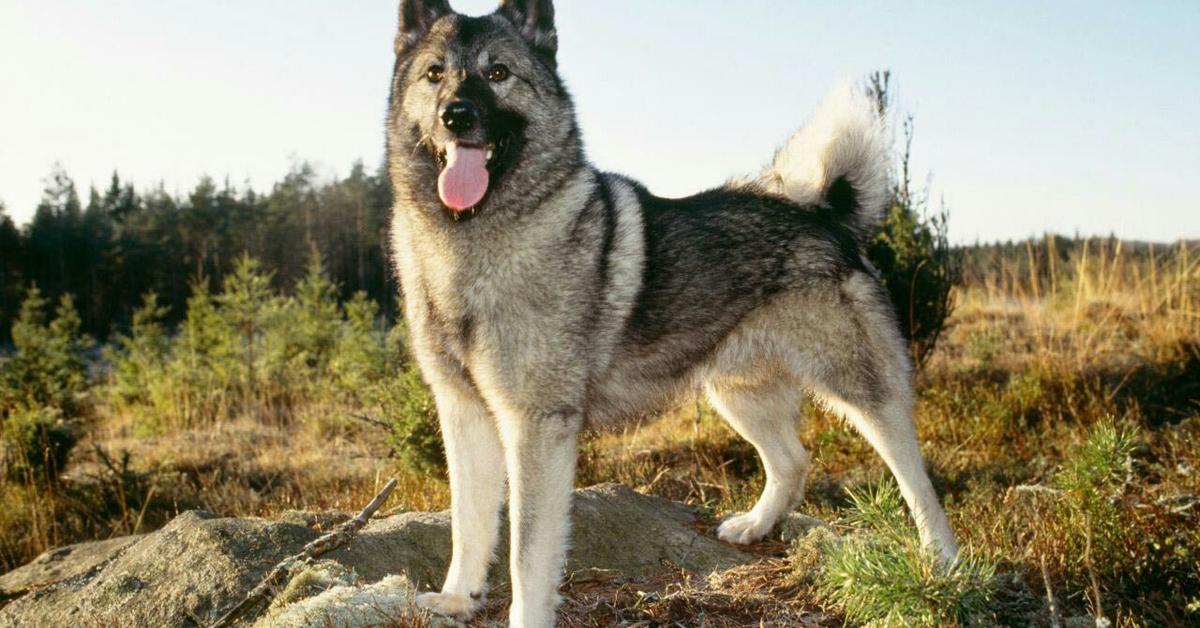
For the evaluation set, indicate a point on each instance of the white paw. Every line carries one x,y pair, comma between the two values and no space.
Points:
744,529
460,607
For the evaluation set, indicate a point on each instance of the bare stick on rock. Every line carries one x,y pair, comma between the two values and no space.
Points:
336,538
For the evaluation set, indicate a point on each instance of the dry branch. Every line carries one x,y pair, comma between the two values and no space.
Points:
336,538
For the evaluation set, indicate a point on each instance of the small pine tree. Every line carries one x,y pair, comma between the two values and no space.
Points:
362,356
408,406
42,391
247,304
203,368
141,357
304,334
911,250
880,575
48,367
37,443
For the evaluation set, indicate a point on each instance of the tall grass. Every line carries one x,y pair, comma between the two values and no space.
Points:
1084,295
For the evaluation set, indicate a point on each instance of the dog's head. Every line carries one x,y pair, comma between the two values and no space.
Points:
477,107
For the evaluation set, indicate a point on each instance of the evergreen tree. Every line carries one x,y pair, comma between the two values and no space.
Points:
140,357
319,317
11,256
51,236
911,250
47,367
247,305
122,244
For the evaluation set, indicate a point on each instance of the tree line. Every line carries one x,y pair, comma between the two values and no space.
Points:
124,242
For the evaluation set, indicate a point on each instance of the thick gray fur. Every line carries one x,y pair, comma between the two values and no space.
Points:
571,297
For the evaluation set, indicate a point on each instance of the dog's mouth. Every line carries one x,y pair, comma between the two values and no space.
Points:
467,172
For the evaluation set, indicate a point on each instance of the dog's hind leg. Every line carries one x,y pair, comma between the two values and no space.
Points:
766,413
888,426
865,376
476,463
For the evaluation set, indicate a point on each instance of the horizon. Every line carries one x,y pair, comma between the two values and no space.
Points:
1108,147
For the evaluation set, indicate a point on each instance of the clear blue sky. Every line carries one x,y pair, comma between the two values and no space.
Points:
1031,116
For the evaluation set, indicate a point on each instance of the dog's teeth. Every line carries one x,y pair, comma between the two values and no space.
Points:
489,155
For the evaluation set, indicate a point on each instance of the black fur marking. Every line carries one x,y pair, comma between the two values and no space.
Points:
471,29
466,332
737,249
609,218
841,197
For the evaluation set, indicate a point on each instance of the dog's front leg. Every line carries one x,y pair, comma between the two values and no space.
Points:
540,452
476,464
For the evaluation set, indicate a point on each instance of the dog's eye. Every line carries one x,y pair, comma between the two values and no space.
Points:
498,73
435,73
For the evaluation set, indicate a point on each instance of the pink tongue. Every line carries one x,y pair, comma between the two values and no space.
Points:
464,181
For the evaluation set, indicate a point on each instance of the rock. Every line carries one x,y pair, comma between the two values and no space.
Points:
312,580
197,566
192,567
618,529
62,563
796,525
389,602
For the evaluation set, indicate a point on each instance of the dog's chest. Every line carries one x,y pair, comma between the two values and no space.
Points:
498,298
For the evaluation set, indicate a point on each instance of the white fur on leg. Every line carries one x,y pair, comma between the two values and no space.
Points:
541,455
766,416
460,607
475,459
894,437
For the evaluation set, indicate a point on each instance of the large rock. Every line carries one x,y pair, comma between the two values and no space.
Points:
198,565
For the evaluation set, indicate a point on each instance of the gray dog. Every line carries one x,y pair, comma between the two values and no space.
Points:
544,296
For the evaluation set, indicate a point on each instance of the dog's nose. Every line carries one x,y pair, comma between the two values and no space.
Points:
460,116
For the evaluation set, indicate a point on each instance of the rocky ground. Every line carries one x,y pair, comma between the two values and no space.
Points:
192,570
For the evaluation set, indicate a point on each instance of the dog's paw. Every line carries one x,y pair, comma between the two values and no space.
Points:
743,529
460,607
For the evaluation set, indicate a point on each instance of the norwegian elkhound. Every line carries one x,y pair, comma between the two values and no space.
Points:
544,296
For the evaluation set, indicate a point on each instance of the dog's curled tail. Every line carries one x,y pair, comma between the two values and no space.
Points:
839,158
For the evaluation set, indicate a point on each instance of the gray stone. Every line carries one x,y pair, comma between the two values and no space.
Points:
197,566
62,563
795,526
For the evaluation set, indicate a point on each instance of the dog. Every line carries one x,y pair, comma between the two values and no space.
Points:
544,296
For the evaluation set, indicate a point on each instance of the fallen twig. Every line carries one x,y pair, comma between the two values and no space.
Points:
1052,602
336,538
371,421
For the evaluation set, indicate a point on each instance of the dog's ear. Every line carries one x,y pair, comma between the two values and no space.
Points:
416,16
534,19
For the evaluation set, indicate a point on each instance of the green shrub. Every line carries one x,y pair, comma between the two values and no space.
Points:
364,353
301,336
47,367
36,445
881,575
247,305
407,405
140,357
1092,527
911,250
